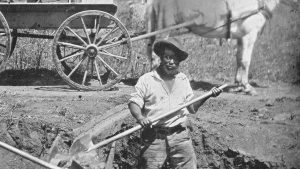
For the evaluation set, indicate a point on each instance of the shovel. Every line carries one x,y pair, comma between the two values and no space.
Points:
87,144
30,157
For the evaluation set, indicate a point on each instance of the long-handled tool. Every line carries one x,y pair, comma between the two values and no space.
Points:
127,132
29,157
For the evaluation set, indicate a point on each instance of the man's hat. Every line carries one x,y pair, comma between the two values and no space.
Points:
171,43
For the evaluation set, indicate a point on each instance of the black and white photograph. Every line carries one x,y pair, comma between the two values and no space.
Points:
150,84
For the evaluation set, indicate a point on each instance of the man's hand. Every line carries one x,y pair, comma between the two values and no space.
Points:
216,91
136,112
144,122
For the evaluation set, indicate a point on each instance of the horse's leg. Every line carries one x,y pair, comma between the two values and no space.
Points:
151,20
239,69
153,59
244,51
250,29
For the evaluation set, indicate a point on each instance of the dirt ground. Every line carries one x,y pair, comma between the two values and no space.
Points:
230,131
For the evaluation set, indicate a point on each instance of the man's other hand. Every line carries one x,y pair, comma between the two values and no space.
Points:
216,91
144,122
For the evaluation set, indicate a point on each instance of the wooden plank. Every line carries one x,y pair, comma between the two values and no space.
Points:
46,16
111,155
59,1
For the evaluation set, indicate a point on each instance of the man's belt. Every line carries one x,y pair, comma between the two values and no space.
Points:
168,130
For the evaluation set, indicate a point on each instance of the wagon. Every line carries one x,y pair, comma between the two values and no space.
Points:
91,48
82,48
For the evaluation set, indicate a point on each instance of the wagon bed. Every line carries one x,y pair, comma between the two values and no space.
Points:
46,15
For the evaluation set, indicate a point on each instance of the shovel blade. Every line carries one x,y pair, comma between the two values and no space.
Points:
82,144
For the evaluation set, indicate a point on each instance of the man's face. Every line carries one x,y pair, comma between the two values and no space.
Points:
169,62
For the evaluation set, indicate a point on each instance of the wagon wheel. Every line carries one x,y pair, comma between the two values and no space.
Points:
92,50
14,39
63,63
5,41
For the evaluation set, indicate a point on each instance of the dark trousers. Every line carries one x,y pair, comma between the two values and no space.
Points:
162,144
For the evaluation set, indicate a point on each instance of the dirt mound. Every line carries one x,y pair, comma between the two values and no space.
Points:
255,133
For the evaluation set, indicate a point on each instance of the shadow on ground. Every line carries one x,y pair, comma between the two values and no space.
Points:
30,77
45,77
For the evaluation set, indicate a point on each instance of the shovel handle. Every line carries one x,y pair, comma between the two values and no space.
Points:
28,156
133,129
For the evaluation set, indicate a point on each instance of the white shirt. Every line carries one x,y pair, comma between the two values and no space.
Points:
154,98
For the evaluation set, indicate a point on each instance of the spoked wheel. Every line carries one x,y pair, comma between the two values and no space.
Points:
5,41
92,50
14,39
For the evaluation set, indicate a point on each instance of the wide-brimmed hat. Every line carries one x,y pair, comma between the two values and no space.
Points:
172,43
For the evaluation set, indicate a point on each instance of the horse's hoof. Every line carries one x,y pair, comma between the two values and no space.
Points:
251,92
236,89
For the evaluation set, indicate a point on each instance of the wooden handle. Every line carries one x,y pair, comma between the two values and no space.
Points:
129,131
28,156
150,34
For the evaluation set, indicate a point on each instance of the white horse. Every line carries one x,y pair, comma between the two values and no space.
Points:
236,19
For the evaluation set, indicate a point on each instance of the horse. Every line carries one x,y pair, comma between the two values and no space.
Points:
231,19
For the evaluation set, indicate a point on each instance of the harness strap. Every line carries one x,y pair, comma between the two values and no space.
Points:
262,8
229,21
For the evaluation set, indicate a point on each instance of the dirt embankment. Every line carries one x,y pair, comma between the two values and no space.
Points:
231,131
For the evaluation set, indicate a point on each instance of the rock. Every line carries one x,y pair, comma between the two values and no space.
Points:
63,111
262,110
60,160
269,103
80,121
262,113
254,110
282,117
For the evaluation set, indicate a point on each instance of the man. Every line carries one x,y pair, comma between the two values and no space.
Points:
158,92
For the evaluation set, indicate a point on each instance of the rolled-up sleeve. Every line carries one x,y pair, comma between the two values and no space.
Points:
139,94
